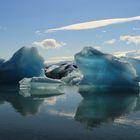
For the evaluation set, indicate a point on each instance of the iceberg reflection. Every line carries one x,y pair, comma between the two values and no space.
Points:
104,106
26,106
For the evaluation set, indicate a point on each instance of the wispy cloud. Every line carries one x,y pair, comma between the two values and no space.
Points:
97,47
132,53
59,59
94,24
110,42
130,39
104,31
136,29
48,43
38,32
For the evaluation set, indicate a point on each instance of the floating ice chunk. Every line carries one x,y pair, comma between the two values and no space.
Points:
102,69
26,62
40,86
73,78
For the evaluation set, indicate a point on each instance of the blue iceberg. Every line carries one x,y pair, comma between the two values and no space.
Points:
26,62
135,63
105,70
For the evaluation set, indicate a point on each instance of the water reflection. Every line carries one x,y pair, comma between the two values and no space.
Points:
95,108
105,106
26,106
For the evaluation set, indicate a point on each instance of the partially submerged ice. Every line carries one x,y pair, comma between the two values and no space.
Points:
106,70
26,62
40,86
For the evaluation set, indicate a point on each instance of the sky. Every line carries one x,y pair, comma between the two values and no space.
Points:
61,28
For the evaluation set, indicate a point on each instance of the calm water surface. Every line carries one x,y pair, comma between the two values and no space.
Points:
75,115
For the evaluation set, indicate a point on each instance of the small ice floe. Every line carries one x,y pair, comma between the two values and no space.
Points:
40,87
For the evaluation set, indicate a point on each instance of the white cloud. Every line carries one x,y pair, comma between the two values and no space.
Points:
97,47
136,29
132,53
59,59
94,24
38,32
130,39
48,43
110,42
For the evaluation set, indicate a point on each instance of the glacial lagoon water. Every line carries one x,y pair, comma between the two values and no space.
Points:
74,115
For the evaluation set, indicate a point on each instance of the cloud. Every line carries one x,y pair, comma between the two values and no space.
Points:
110,42
130,39
48,43
136,29
97,47
38,32
59,59
132,53
104,31
94,24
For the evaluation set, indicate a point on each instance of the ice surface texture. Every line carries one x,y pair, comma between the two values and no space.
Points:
134,62
102,69
26,62
59,71
40,86
104,107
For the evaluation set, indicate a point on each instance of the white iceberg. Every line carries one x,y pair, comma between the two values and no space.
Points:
40,86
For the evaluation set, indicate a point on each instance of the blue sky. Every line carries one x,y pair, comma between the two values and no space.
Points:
25,21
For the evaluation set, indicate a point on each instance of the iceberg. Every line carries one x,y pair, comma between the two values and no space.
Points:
105,70
40,87
1,61
135,63
26,62
59,71
73,78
